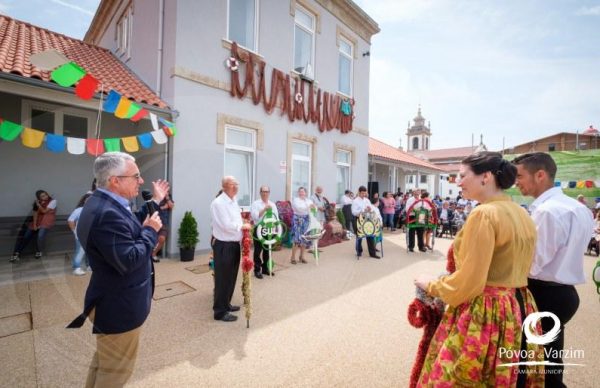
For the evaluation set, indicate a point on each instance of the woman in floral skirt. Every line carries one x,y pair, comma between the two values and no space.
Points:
301,207
487,295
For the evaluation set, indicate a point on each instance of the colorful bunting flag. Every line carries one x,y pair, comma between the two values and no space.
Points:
95,147
112,145
159,137
112,101
145,140
154,121
86,87
68,74
131,144
139,115
132,110
75,145
32,138
170,131
122,108
48,60
55,143
9,130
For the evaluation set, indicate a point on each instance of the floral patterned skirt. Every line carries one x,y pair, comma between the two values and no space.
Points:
299,227
475,338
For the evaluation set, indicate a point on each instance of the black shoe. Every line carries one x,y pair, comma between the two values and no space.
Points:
422,249
376,257
267,273
227,318
258,275
38,255
359,254
233,308
411,250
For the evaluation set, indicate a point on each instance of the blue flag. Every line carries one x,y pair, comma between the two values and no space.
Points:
112,100
145,140
55,143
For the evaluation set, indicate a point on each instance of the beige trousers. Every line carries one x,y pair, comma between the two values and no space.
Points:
114,360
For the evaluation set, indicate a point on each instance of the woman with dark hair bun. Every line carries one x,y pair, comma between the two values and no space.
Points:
480,332
43,218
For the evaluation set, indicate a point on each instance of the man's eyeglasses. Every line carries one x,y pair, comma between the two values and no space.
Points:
263,191
134,176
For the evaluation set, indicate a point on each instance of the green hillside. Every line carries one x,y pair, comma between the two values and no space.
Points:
572,166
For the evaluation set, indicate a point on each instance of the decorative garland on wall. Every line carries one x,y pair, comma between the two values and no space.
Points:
327,109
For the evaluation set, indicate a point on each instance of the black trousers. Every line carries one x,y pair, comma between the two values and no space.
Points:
227,263
563,301
348,218
411,238
370,241
260,265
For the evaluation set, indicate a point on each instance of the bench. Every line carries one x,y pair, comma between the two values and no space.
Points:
59,239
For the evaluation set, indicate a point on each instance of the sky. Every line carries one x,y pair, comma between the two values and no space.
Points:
511,70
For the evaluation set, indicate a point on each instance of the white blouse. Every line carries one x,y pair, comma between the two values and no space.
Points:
301,206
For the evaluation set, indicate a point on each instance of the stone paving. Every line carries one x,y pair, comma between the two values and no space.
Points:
339,324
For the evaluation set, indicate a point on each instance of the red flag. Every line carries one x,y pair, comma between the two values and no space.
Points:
139,115
95,147
86,87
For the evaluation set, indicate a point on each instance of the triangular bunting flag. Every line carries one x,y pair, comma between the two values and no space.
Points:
112,145
48,60
131,144
95,147
75,145
112,101
55,143
67,74
154,121
145,140
122,108
86,87
166,122
133,110
159,137
9,130
139,115
32,138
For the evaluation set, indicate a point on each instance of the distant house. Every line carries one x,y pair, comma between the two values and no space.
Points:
31,99
562,141
391,168
298,118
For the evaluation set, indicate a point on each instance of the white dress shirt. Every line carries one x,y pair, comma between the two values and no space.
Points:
258,206
226,218
346,200
360,205
300,206
563,228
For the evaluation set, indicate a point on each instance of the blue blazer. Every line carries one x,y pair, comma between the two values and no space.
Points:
120,254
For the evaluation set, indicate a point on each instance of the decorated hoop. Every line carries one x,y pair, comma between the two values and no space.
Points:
232,63
269,230
298,97
368,225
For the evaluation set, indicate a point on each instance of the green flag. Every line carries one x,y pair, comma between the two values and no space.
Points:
9,130
68,74
112,145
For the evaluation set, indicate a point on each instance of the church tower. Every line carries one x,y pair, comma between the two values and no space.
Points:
418,136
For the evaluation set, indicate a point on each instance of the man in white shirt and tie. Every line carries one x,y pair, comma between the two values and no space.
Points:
362,204
563,227
227,226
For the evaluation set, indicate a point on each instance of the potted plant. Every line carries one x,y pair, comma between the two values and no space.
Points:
188,237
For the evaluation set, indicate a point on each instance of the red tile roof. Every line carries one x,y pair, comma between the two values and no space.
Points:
446,153
18,40
386,151
450,167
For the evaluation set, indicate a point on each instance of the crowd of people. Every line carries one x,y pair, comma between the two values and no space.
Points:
509,263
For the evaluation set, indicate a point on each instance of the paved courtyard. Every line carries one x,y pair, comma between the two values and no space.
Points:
339,324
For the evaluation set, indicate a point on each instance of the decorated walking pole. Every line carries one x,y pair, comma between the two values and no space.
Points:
247,266
314,232
267,233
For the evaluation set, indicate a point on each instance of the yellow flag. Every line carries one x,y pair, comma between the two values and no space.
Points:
130,144
122,108
32,138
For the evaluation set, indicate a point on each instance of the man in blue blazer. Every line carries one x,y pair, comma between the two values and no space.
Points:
119,246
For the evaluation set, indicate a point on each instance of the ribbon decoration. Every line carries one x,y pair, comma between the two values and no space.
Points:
33,138
314,232
367,225
267,232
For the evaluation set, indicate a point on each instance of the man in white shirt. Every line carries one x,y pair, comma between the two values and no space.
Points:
347,200
320,202
257,211
227,226
563,227
362,204
411,231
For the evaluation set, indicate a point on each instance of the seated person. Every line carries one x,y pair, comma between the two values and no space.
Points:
43,219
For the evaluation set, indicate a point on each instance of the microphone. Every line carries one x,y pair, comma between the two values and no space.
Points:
151,206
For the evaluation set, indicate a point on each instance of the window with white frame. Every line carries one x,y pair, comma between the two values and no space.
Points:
240,155
346,55
304,41
301,166
410,179
423,178
59,120
344,161
243,23
124,32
